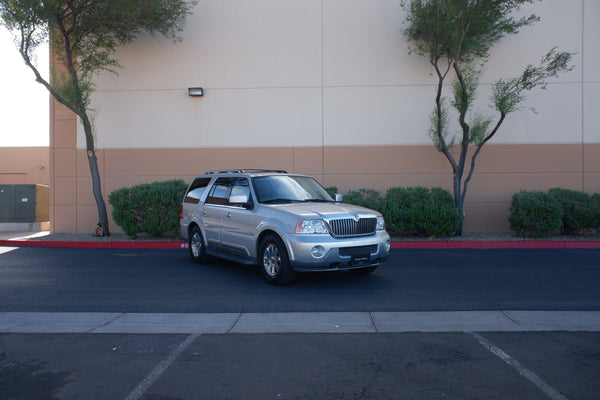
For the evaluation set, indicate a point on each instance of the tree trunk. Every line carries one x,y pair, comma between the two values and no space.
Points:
458,201
102,228
97,188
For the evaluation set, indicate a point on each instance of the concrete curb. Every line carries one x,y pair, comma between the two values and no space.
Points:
442,244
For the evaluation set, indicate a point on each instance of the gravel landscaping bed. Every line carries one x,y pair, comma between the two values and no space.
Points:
115,237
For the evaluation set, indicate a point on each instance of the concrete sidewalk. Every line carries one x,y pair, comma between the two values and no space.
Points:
22,235
36,239
300,322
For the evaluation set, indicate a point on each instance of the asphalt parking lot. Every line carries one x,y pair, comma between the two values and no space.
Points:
432,324
413,365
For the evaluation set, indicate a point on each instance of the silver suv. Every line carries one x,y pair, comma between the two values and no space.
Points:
282,222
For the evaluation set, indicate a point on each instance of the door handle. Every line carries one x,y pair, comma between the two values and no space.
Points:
228,215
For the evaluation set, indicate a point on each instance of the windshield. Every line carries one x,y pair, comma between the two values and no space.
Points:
289,189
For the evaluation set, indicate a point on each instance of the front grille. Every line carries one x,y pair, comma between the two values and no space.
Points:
358,250
349,227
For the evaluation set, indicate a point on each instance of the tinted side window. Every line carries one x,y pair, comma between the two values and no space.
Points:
219,193
230,192
196,189
240,190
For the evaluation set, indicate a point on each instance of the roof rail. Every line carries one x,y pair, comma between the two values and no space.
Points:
238,171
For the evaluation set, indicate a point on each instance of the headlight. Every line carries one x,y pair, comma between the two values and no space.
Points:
312,226
380,224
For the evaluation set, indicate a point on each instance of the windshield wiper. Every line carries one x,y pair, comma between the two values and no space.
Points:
318,201
279,201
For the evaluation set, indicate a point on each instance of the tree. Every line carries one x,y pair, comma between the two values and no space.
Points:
456,37
84,35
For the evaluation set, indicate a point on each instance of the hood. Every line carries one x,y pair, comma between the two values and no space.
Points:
323,210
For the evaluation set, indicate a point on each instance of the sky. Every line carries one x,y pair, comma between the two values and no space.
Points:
24,103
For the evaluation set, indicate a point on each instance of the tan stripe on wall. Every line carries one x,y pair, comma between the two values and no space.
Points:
501,171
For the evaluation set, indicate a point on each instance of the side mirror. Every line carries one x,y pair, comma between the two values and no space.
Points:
339,198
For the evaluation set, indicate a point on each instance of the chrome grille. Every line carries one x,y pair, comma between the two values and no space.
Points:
349,227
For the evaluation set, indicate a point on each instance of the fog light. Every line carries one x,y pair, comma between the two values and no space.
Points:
388,246
317,251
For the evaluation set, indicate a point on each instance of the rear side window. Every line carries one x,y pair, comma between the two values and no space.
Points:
226,189
219,193
196,190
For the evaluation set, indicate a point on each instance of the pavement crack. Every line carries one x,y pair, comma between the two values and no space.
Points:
373,322
507,315
234,324
106,323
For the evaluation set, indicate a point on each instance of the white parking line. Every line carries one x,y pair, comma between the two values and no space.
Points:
145,384
552,393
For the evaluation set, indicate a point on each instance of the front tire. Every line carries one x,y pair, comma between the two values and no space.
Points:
274,261
197,247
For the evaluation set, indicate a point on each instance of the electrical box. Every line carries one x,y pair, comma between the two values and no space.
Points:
24,203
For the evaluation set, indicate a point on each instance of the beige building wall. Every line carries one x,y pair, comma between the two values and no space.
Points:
326,88
24,165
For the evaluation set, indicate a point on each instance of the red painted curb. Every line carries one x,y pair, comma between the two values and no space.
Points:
442,244
513,244
583,245
94,245
420,245
506,245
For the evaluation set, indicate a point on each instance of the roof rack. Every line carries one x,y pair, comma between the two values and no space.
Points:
239,171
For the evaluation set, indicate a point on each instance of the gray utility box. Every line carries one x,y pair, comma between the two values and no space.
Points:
24,203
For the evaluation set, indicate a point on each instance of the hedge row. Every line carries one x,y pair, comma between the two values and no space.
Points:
152,208
416,211
540,214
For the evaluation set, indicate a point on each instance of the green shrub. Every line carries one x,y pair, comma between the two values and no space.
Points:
579,211
396,210
535,214
152,208
595,200
365,198
332,191
420,211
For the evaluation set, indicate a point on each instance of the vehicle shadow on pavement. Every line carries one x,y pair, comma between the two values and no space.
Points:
252,273
27,380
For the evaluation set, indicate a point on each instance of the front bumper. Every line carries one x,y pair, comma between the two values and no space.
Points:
338,254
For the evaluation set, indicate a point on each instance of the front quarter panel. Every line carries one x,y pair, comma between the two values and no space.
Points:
277,226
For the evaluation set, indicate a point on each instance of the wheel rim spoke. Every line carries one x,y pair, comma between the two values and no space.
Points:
271,259
196,245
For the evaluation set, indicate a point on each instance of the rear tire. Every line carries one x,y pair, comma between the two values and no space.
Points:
197,247
274,261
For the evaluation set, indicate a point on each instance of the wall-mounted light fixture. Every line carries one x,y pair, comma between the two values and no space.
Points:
196,91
